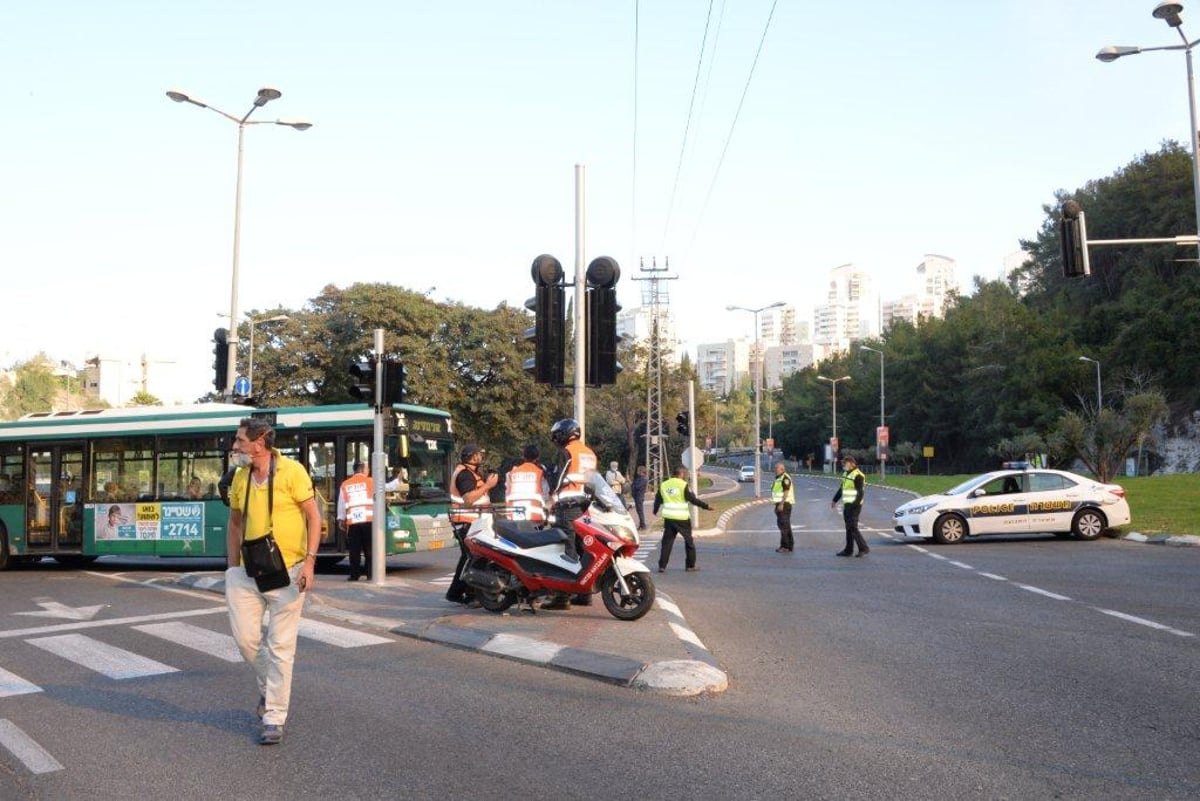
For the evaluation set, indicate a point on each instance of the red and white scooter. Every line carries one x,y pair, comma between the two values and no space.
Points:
519,561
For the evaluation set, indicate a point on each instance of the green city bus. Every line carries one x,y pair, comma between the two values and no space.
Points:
77,485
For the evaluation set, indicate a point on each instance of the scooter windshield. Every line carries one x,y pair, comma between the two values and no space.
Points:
603,492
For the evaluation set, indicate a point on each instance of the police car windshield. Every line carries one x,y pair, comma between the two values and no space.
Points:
971,484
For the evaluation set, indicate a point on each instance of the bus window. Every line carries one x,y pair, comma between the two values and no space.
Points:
12,473
190,467
122,469
321,460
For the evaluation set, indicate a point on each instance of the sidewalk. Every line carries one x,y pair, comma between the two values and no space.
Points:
659,652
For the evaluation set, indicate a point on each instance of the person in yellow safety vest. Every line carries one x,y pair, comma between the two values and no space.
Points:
673,498
784,498
355,513
468,487
851,493
525,487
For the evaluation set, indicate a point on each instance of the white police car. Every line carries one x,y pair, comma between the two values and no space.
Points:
1014,501
746,473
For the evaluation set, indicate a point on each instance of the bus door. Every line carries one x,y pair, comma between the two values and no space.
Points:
321,459
54,498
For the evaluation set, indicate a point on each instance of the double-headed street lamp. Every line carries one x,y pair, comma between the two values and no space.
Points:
255,323
1099,395
1169,13
833,382
757,393
265,95
882,423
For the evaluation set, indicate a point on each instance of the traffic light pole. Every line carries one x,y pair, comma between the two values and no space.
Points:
580,304
378,566
695,471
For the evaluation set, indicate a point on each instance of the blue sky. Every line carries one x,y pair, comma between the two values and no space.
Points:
445,136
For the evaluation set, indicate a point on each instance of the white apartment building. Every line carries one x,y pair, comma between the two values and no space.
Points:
722,367
850,311
781,361
936,279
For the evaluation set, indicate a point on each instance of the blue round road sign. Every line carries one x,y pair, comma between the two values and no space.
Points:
241,386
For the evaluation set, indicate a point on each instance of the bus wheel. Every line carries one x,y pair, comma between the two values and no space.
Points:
5,559
74,559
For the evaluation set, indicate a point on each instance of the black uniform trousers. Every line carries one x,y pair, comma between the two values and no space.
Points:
783,519
850,513
639,504
358,537
459,591
670,529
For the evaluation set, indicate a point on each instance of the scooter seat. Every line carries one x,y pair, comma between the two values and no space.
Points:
528,533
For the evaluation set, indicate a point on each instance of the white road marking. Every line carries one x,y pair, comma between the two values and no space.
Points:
116,663
918,549
685,634
1141,621
963,565
55,609
22,746
522,647
206,641
993,576
12,684
1046,593
939,557
117,621
338,636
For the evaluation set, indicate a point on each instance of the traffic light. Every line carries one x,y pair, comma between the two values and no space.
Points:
602,307
395,378
547,333
1072,238
220,359
362,380
683,423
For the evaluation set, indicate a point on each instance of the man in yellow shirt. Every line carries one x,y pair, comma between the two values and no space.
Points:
269,493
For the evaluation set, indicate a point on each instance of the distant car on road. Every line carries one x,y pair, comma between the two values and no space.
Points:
1012,501
747,473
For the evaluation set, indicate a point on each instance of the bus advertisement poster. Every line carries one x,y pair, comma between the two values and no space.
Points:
149,521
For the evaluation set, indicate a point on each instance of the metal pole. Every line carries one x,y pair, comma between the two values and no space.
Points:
695,469
378,566
231,374
250,359
757,418
835,383
580,317
1195,137
882,456
1099,395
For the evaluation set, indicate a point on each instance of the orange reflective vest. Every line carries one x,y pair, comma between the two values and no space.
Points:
459,500
356,500
581,463
523,487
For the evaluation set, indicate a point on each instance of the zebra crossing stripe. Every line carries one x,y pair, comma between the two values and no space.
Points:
213,643
116,663
338,636
20,745
12,684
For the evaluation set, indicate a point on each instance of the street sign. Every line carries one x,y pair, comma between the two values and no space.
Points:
241,386
833,445
692,458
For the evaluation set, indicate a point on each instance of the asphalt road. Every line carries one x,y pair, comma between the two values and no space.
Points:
1018,668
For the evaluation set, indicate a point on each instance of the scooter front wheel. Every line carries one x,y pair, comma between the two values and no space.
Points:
633,605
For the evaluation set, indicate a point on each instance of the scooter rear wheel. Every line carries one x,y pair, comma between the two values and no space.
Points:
631,606
496,601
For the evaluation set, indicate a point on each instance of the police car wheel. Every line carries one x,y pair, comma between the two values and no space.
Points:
949,529
1088,524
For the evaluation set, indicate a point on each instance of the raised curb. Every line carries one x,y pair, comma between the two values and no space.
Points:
688,677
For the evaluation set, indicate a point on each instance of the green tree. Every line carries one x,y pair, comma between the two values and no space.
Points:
1103,440
144,399
34,388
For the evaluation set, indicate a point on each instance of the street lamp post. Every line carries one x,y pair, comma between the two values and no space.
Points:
757,393
1099,394
254,324
1169,13
882,423
833,382
265,95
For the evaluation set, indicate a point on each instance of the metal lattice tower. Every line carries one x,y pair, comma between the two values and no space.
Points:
655,298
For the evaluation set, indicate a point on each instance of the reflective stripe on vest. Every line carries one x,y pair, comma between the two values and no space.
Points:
357,500
777,493
849,491
458,500
674,495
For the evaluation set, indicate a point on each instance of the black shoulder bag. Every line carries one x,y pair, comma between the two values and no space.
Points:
261,556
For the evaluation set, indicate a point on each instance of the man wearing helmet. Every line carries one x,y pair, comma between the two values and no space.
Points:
574,476
467,488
